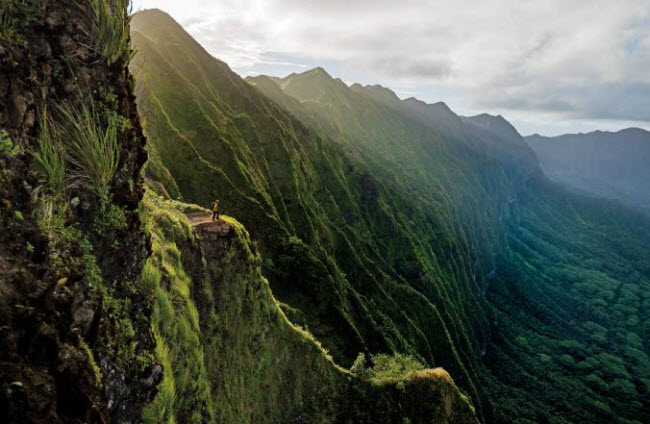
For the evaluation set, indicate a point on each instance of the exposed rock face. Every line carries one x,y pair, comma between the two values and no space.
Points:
61,357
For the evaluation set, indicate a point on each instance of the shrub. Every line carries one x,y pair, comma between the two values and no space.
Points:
7,146
566,360
16,15
359,366
111,217
393,368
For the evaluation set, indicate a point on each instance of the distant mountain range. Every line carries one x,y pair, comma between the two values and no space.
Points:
614,165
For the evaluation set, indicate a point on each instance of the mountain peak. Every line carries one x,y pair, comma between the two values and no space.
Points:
442,106
438,108
377,92
414,102
631,131
494,123
156,14
634,130
317,71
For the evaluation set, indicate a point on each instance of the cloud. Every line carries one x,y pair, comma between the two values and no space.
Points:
603,100
579,59
406,68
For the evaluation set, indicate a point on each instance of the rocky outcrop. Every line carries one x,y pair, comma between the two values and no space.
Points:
74,332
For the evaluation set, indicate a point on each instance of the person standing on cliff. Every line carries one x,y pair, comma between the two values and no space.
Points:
215,210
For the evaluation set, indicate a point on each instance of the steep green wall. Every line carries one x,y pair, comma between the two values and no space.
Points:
346,247
231,355
571,296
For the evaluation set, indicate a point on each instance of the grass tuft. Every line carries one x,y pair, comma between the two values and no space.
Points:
91,143
50,157
49,195
110,29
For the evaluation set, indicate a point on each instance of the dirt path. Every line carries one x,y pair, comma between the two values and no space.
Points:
203,221
198,218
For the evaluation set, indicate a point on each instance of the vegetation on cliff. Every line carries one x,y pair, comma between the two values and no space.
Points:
231,355
375,239
75,332
344,249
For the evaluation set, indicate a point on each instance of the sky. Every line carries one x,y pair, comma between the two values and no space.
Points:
548,66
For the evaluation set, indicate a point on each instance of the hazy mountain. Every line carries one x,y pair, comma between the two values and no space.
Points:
614,165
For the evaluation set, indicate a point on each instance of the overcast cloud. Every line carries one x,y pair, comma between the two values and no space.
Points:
550,66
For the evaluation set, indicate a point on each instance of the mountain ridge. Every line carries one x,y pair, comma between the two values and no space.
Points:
609,164
621,131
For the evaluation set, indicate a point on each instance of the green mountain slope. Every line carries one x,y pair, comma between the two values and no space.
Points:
554,240
398,226
572,328
344,250
230,355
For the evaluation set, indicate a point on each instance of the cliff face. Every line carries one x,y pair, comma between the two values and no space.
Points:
231,355
74,330
89,326
394,231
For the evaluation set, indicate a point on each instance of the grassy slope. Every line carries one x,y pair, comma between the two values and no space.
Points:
231,355
345,251
590,365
